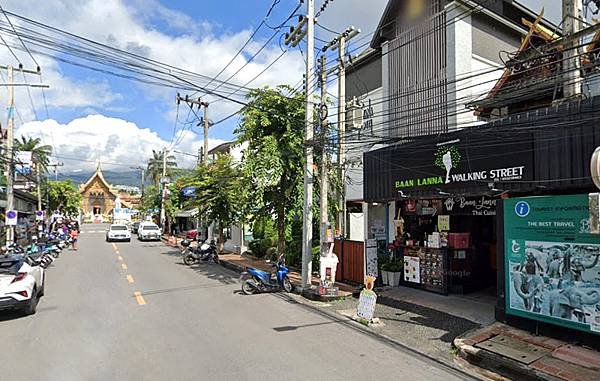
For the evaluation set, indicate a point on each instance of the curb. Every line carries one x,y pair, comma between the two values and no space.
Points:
503,368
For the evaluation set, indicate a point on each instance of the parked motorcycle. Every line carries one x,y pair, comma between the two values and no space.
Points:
254,280
204,252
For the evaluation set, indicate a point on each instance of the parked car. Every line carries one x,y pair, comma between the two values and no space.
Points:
135,227
149,232
191,234
21,283
118,232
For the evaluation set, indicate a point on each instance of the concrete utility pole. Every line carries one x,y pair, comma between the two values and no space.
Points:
38,180
339,43
324,160
10,178
143,179
308,166
572,11
162,189
55,166
293,38
199,102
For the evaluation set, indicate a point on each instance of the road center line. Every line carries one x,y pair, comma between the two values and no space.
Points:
129,278
114,247
139,298
119,257
124,266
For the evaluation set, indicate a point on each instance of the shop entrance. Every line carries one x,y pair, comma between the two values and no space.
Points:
447,245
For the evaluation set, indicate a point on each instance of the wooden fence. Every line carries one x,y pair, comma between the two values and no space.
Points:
351,261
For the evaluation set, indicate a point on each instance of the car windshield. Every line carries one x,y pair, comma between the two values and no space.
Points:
150,227
118,227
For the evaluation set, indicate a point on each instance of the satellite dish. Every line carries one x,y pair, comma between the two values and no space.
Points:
595,167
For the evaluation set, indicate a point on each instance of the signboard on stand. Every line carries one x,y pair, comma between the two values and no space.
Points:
367,301
11,217
39,215
552,262
371,258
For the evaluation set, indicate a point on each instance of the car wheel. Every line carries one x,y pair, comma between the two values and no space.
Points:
129,240
32,305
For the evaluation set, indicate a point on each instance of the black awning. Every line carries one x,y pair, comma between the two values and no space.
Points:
545,149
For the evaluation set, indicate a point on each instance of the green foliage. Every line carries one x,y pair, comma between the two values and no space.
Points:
151,200
40,153
64,196
393,266
155,166
272,126
260,247
263,227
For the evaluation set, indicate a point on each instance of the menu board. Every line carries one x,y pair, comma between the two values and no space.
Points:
426,267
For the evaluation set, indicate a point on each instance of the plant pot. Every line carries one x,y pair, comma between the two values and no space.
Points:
384,277
394,278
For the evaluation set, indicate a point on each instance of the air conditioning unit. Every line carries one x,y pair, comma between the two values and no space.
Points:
354,115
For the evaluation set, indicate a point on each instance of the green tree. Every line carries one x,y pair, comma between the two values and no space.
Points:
64,196
155,166
151,200
272,126
40,153
219,192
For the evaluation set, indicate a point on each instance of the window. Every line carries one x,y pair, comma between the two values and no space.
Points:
118,227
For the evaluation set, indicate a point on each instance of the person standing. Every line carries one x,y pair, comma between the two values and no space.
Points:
74,234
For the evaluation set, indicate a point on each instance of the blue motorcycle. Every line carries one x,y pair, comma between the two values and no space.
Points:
254,280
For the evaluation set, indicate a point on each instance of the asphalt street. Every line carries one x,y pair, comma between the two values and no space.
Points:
133,311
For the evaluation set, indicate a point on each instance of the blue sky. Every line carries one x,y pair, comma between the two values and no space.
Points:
93,116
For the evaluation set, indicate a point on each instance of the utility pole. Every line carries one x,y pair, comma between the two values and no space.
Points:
324,160
143,179
199,102
55,165
162,189
205,108
293,38
38,180
339,43
572,11
10,178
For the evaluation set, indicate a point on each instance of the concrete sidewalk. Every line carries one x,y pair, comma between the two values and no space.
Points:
517,354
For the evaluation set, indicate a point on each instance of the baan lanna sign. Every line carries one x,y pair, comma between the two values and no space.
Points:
462,163
469,206
552,262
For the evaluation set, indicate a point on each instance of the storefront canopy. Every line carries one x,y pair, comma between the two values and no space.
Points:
545,149
187,213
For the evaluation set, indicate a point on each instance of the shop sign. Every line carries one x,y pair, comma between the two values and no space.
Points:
552,262
470,206
469,161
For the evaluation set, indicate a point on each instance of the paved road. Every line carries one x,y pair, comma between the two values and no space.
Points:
132,311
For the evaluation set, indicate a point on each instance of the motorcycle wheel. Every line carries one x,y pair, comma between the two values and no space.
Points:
287,285
248,288
188,259
215,258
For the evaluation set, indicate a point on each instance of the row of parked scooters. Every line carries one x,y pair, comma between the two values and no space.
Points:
41,252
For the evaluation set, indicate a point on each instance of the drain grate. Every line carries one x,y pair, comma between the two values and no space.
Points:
514,349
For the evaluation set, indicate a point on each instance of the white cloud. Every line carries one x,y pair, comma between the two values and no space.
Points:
129,26
116,143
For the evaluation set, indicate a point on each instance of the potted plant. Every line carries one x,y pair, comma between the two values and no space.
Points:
394,274
385,274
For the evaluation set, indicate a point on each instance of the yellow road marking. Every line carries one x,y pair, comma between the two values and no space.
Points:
129,278
117,251
114,246
139,298
120,258
124,266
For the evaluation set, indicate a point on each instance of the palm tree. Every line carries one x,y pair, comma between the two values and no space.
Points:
155,166
40,153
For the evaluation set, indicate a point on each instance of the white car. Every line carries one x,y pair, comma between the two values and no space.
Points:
21,284
118,232
147,232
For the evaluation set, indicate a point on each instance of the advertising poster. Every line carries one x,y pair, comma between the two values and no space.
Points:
552,261
371,258
412,269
